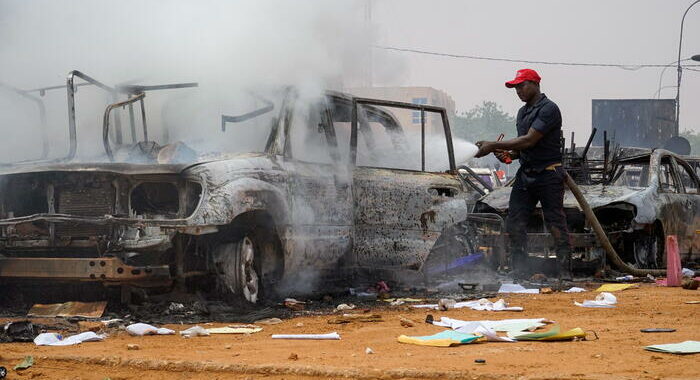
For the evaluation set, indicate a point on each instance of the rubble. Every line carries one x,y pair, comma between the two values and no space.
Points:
19,331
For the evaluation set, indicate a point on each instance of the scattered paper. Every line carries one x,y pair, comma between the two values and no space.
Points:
446,338
553,334
53,339
245,329
349,318
516,288
602,300
685,272
575,290
269,321
26,363
615,287
141,329
629,277
481,305
687,347
478,328
403,300
112,322
503,325
194,331
329,336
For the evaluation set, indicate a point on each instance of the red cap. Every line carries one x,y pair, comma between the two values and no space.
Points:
522,76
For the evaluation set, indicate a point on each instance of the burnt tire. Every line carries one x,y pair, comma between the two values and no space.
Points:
248,268
649,249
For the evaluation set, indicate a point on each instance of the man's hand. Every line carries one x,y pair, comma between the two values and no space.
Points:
485,147
503,155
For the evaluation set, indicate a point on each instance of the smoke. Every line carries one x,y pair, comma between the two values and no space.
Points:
229,47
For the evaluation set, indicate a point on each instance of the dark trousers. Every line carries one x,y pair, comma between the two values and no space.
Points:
546,187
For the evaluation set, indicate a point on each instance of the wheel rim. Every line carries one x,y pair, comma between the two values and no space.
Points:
249,276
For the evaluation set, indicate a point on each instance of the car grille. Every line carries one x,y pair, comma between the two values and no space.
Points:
85,202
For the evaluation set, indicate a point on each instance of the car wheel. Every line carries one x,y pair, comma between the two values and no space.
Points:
649,249
248,268
236,269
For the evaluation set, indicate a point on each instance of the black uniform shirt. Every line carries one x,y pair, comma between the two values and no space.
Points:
545,118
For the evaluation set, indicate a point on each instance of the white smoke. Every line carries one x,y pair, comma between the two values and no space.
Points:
228,47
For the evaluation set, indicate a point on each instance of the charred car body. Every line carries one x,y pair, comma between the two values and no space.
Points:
638,196
336,186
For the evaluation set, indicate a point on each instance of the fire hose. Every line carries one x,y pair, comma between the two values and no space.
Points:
612,256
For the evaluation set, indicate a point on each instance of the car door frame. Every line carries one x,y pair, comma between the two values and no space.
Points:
316,249
375,241
691,203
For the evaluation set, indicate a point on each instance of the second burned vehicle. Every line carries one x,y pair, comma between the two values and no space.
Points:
639,198
320,188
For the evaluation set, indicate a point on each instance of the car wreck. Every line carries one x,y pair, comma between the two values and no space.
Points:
639,198
335,186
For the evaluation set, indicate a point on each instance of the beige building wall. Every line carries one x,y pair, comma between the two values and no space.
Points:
410,120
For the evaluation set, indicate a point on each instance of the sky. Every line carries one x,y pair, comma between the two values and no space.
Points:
602,31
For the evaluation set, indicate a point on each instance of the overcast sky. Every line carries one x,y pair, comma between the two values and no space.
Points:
615,31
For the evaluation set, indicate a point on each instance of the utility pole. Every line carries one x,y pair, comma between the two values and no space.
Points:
368,80
680,70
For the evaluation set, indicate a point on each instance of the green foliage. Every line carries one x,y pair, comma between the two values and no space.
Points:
694,138
484,122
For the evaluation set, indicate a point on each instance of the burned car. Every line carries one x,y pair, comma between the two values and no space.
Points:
638,199
335,186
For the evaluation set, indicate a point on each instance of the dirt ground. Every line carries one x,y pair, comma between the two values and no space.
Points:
617,354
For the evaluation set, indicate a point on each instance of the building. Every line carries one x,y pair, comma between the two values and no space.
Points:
416,95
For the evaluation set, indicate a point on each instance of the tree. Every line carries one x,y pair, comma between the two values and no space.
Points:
484,122
694,138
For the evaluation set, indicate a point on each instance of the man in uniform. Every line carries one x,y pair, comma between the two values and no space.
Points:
540,177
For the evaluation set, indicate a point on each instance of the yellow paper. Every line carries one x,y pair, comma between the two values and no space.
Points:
404,299
230,330
431,342
567,335
615,287
552,334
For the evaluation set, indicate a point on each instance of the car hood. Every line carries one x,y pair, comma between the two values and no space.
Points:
109,167
240,160
596,195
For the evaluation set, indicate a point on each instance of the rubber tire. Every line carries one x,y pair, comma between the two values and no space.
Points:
656,240
247,275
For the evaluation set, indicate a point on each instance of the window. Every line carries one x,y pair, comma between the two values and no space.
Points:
415,115
632,175
666,176
687,179
307,136
385,141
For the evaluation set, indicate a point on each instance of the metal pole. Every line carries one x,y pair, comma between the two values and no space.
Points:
422,139
680,70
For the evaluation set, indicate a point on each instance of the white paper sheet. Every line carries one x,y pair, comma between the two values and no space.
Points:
489,328
194,331
603,300
575,290
503,325
481,305
516,288
140,329
53,339
329,336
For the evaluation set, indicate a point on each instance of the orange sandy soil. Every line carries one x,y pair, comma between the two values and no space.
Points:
617,354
